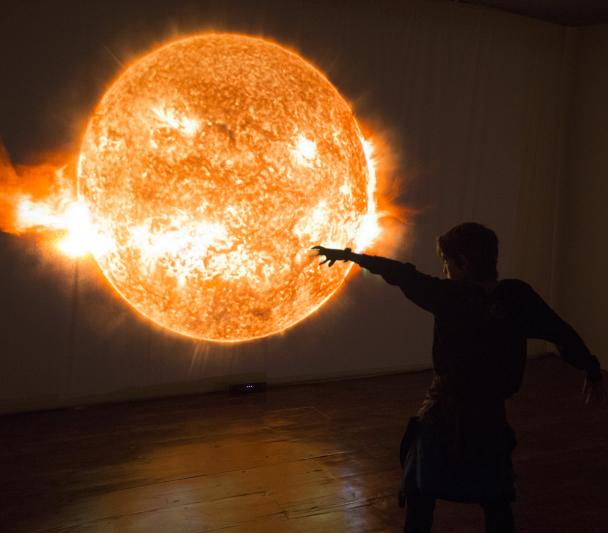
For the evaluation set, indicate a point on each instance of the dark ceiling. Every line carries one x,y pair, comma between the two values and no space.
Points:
566,12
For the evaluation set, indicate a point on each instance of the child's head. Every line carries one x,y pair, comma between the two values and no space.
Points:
470,252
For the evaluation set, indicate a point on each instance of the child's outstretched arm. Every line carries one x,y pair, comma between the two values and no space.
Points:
389,269
428,292
544,323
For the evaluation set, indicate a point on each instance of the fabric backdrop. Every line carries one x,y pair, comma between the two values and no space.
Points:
474,105
582,252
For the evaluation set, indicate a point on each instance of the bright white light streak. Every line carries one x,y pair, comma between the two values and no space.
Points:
369,229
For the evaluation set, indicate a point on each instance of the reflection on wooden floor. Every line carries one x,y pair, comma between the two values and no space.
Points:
303,458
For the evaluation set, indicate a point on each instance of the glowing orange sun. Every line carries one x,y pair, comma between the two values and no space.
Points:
209,169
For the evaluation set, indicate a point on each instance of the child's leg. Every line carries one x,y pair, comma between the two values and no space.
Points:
419,515
499,517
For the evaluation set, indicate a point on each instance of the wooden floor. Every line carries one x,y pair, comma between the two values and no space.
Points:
302,458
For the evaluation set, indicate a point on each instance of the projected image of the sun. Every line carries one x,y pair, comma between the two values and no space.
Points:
208,170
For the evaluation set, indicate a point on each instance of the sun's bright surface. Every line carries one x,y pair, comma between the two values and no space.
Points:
209,169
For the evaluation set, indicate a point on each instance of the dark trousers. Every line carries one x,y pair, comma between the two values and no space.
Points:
419,515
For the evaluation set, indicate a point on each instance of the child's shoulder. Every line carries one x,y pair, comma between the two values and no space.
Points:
515,283
517,287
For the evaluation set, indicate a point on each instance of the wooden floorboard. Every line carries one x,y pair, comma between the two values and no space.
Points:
307,458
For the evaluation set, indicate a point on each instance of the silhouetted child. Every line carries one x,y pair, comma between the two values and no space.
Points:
459,446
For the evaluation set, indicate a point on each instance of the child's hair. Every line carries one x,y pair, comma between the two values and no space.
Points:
477,244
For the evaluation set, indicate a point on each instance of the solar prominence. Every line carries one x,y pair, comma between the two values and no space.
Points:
208,170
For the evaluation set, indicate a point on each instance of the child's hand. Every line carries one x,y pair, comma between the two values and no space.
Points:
332,254
594,392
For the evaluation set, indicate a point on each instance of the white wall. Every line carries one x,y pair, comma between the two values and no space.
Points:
583,290
475,103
